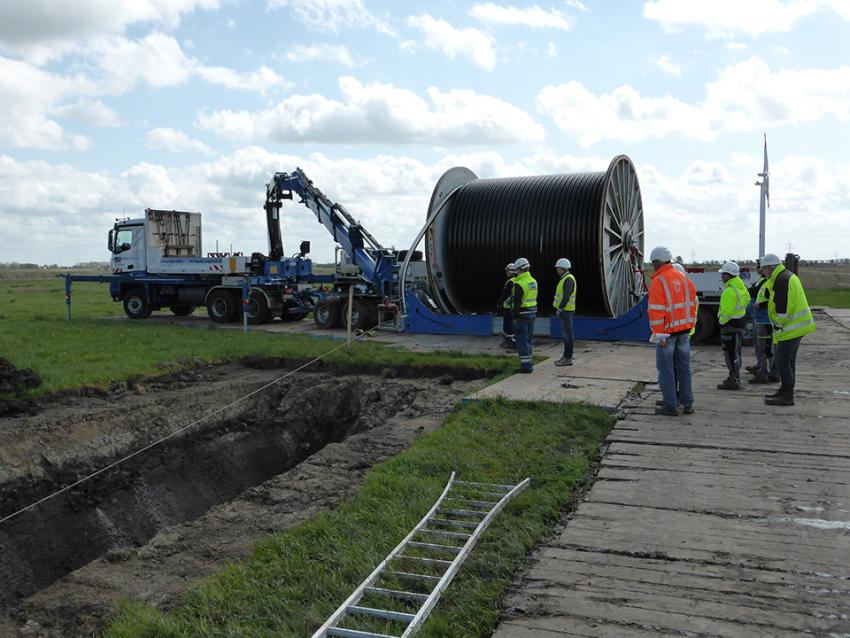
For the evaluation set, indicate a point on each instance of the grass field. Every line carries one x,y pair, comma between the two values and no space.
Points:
829,297
296,579
94,349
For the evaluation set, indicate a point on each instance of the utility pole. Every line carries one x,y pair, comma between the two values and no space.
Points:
764,199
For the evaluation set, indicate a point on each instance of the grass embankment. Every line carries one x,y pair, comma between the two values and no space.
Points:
296,579
93,349
829,297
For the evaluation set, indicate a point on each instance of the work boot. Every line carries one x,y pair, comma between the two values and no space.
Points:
522,370
752,369
778,393
564,362
665,411
659,402
729,384
760,378
780,400
773,378
688,409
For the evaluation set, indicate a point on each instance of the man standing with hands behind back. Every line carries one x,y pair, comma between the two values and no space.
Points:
672,314
565,307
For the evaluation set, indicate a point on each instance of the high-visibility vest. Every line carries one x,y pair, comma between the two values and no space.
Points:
733,301
529,292
509,300
672,301
559,293
760,313
797,320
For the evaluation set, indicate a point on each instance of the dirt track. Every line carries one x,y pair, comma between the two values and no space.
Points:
170,516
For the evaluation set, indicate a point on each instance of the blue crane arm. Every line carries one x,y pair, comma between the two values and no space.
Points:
356,241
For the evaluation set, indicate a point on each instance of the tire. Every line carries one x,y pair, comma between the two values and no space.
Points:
364,315
257,309
223,306
327,314
181,310
136,304
706,325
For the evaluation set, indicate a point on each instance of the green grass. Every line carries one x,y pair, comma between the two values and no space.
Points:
829,297
94,349
295,579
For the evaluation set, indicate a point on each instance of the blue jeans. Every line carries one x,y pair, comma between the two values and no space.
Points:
507,323
523,330
673,362
567,328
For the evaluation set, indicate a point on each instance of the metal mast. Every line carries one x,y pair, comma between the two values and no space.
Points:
764,200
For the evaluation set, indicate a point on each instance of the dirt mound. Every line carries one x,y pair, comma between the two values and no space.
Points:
14,382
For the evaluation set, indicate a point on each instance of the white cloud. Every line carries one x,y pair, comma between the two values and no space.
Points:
442,36
577,4
334,16
42,29
724,17
90,111
666,64
746,96
259,81
174,141
551,51
321,51
736,47
533,16
381,114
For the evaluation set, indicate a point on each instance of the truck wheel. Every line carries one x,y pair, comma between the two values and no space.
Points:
222,306
181,310
257,308
136,304
327,315
706,325
364,314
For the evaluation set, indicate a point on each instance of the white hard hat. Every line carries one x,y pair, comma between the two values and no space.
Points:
680,268
731,268
564,263
522,264
769,260
661,253
511,267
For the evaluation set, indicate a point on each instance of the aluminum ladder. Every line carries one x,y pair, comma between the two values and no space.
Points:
427,559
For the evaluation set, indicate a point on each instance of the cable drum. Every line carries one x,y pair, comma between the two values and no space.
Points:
593,219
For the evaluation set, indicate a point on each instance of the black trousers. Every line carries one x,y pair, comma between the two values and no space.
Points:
786,365
730,339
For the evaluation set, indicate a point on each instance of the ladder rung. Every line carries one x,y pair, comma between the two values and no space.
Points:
487,505
436,547
353,633
440,532
429,561
409,576
504,488
479,495
380,613
461,512
395,593
443,521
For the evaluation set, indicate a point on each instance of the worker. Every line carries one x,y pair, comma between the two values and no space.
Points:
732,317
504,305
763,371
792,319
524,313
680,268
672,314
565,307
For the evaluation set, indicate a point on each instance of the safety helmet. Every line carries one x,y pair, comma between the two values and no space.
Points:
769,260
731,268
661,253
522,264
564,263
680,268
511,267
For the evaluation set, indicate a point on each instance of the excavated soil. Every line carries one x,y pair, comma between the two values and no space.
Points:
150,527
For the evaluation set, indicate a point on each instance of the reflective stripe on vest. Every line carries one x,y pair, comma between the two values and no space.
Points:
678,311
736,309
798,320
559,294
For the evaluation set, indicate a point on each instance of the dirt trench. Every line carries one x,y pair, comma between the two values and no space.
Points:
153,525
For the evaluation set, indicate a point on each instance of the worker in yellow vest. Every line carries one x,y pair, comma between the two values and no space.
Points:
504,306
524,313
565,307
792,319
732,317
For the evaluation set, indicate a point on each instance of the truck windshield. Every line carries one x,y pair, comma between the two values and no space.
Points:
124,238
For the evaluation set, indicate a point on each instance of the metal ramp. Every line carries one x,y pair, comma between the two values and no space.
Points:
400,593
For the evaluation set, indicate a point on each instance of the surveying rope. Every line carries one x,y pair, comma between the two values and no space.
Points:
176,432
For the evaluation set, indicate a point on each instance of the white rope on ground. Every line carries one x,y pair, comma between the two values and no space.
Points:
176,432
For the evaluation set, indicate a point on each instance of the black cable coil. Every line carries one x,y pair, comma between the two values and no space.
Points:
593,219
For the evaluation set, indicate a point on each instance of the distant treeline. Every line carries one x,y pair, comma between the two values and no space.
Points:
15,265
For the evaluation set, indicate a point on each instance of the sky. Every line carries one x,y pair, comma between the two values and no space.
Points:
108,108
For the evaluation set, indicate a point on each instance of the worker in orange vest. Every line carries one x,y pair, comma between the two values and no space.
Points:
672,314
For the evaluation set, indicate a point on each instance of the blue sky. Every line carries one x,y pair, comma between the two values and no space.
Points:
108,108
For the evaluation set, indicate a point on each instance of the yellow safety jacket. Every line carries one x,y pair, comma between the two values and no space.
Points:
559,294
797,320
529,291
733,301
509,298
